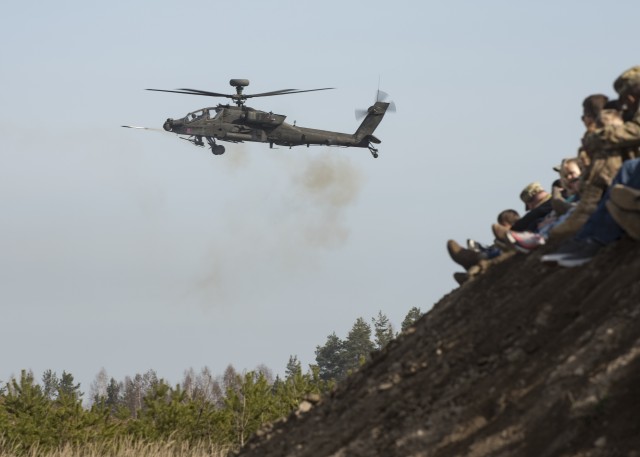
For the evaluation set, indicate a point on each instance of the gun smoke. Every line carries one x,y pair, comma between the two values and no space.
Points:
280,228
329,184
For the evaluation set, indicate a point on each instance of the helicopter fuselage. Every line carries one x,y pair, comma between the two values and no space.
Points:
240,123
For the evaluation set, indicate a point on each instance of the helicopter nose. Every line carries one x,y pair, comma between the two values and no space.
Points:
168,125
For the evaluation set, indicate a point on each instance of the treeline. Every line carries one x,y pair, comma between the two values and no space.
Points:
337,358
221,411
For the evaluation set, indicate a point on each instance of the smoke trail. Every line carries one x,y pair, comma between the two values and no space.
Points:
327,185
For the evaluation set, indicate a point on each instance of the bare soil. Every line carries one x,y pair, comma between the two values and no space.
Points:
524,360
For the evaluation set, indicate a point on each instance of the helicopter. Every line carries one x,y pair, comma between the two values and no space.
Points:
240,123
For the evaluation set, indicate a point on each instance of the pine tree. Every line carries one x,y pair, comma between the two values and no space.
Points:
113,400
27,409
50,383
383,330
331,358
67,388
412,316
250,404
358,345
296,387
67,412
293,367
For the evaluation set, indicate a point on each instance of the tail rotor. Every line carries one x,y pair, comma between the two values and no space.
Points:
380,97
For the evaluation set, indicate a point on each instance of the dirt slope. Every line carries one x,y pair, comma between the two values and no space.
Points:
526,360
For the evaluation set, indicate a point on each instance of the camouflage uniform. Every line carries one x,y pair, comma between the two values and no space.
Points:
623,139
607,148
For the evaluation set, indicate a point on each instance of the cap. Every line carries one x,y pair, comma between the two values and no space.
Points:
530,191
558,168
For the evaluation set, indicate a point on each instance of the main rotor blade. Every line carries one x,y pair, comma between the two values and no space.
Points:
236,96
286,92
204,92
265,94
191,92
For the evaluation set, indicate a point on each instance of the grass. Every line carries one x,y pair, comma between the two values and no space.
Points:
123,448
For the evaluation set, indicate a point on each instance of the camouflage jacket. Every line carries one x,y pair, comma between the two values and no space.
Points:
626,136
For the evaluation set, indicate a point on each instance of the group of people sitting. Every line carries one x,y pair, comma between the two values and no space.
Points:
594,202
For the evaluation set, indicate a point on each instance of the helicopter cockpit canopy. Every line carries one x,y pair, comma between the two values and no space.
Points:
204,113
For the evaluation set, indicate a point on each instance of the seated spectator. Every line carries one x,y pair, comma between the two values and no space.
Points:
506,219
591,108
570,173
602,228
599,166
614,138
538,205
475,252
623,138
565,194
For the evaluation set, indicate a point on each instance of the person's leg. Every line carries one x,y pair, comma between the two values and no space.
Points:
601,227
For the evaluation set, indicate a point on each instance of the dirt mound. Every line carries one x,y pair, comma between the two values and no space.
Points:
526,360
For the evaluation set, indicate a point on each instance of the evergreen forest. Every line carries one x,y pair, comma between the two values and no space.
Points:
211,413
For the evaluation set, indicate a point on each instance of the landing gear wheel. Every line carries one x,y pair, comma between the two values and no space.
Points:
217,149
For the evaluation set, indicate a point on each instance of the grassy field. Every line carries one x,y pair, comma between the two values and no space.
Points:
122,449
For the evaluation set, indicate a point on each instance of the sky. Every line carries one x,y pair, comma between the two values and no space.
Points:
131,250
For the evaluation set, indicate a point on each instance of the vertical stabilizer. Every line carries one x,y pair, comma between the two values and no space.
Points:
375,114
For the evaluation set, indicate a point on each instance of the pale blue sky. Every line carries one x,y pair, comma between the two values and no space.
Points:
133,250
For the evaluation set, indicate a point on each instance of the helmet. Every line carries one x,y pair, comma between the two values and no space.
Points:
628,82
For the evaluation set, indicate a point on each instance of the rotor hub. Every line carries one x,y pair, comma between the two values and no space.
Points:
239,84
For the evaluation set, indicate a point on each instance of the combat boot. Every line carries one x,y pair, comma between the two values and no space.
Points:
463,257
628,220
461,277
626,198
589,199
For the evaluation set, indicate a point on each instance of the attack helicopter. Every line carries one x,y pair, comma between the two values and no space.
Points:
240,123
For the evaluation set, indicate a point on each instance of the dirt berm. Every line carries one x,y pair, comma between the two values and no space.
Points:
525,360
